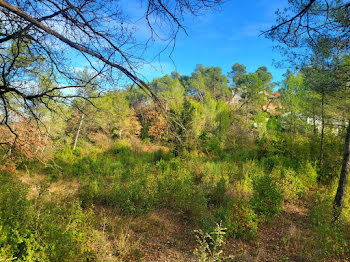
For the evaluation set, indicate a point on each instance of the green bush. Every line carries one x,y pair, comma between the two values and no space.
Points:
66,232
211,144
134,198
161,155
308,175
289,181
217,194
81,168
330,239
41,230
267,197
189,200
66,155
249,170
182,196
89,193
14,214
239,218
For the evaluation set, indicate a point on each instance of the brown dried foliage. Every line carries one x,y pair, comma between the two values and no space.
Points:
27,141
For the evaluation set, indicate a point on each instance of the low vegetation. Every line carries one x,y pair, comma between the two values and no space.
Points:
116,196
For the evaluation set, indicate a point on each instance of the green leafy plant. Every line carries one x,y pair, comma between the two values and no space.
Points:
239,219
267,197
330,239
209,245
216,195
42,230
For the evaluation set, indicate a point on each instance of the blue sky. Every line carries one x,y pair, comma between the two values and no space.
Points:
218,38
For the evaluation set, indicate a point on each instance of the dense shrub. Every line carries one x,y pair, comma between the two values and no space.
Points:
217,194
267,197
329,240
130,199
43,230
239,219
289,181
308,175
90,193
212,144
183,196
203,189
248,171
161,155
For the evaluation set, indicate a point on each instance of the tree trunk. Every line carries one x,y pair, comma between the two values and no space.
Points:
322,135
314,120
343,179
293,127
247,113
77,135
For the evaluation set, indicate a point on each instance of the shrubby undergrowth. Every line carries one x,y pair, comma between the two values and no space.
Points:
205,190
241,192
35,230
239,187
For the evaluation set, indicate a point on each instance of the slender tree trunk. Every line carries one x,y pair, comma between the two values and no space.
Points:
322,135
77,135
246,116
293,127
343,179
314,120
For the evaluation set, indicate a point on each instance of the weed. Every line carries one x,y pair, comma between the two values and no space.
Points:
210,245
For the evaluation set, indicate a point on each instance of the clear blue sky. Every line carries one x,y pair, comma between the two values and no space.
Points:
219,38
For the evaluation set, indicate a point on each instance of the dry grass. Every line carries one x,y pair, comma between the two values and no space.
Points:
157,236
39,184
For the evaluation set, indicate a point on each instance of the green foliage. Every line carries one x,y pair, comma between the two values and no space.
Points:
217,194
161,155
330,239
66,155
267,197
169,90
208,81
289,181
184,130
333,150
248,171
211,144
89,193
308,175
113,115
239,218
42,231
236,160
130,199
183,196
253,88
261,123
273,127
